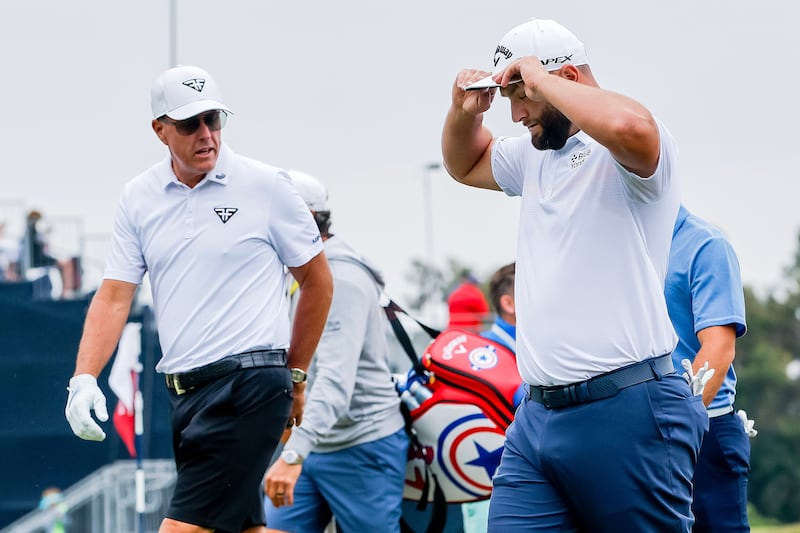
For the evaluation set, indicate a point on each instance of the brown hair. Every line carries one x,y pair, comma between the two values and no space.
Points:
501,283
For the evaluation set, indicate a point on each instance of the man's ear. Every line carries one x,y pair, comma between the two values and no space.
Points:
569,72
158,127
507,305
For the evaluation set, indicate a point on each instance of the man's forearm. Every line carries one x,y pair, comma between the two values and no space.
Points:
718,348
105,321
313,303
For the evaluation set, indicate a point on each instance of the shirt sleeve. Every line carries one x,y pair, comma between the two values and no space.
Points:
652,188
125,260
716,287
509,162
335,366
293,232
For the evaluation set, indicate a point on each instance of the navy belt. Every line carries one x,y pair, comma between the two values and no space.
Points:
602,386
193,379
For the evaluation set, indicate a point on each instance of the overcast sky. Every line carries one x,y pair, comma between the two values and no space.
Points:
355,92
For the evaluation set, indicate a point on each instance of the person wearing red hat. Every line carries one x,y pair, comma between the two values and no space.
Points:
467,306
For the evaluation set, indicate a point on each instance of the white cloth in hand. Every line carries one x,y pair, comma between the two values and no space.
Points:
749,425
85,396
696,381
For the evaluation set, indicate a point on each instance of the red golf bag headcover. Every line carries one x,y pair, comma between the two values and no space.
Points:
461,421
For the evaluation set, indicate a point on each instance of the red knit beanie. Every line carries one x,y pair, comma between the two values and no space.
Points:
468,307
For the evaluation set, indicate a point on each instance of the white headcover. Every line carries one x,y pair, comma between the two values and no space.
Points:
311,190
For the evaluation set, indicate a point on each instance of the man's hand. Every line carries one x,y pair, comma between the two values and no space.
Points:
298,405
697,381
528,69
749,425
280,481
472,102
85,396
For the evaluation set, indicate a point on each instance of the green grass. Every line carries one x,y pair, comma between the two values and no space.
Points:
763,524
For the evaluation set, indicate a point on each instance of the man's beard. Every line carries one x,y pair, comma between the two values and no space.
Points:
555,130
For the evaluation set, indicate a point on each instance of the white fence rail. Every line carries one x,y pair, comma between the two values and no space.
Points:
105,502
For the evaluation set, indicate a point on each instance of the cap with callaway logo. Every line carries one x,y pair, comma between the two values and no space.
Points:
183,92
552,43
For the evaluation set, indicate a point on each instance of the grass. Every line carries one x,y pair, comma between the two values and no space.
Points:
763,524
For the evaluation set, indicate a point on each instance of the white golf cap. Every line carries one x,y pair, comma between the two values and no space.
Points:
552,43
183,92
311,190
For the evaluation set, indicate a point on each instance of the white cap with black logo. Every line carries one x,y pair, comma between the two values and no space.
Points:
183,92
552,43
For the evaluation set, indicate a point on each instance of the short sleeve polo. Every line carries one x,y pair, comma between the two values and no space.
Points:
703,289
593,246
215,254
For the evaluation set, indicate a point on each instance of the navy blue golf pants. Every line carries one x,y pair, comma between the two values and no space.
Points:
720,479
623,463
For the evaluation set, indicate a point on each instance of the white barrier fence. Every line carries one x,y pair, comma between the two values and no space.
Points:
105,502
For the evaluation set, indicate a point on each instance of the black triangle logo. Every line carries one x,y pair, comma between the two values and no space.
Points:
225,213
196,83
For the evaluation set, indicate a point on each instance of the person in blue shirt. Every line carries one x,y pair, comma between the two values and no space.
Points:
705,301
503,331
501,298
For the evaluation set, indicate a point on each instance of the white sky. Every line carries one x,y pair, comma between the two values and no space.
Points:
355,92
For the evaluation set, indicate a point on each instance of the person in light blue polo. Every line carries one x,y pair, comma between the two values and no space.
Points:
705,301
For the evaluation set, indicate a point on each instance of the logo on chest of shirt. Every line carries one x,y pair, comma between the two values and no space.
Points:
578,158
225,213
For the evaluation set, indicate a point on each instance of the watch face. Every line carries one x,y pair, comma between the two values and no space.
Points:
291,457
298,375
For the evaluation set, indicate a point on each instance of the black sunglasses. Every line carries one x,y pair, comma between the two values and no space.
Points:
215,120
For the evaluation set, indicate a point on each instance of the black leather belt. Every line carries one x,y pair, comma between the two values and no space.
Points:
602,386
186,381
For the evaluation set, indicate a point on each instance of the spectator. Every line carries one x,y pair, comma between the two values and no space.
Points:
52,502
467,305
40,257
9,256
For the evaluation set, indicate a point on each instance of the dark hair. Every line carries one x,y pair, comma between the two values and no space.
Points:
501,283
323,220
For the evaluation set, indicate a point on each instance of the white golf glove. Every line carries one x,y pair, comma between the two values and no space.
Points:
749,425
85,395
696,381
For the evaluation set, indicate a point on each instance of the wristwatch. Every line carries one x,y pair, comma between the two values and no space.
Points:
298,375
291,457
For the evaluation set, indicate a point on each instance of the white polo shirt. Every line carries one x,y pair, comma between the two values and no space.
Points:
593,248
215,255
